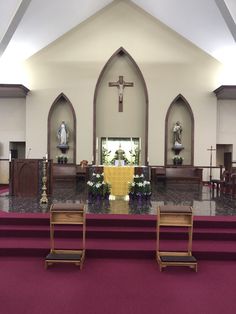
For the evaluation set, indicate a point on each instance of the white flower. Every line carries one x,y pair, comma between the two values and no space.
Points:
90,183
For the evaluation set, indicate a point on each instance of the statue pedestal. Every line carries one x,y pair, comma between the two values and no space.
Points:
63,148
177,148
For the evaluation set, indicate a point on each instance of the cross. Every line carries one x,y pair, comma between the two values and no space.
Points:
121,84
211,150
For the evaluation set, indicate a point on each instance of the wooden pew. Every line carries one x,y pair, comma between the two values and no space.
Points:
181,174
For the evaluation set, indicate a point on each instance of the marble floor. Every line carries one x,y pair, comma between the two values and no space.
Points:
202,199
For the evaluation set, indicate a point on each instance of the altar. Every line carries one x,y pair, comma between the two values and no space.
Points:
119,177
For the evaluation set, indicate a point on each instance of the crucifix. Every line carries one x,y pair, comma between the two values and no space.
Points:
121,84
211,150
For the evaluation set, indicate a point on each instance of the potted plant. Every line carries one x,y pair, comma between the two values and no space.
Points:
59,159
139,188
65,159
98,189
177,160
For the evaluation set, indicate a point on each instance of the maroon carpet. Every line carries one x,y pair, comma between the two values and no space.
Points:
107,286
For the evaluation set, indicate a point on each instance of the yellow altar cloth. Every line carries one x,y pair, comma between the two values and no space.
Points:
118,177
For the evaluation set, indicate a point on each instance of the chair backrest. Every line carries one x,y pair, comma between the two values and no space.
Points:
226,176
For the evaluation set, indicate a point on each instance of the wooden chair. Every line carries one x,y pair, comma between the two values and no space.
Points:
175,216
66,214
82,170
226,184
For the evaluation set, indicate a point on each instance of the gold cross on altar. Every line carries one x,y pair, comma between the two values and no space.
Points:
121,84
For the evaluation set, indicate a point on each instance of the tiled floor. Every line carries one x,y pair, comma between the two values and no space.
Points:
202,199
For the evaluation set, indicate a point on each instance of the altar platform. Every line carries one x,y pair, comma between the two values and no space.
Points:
204,200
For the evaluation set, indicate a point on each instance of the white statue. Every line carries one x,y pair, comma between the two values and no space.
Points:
63,134
177,132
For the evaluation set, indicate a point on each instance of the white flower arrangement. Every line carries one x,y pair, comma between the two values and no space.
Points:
139,187
97,186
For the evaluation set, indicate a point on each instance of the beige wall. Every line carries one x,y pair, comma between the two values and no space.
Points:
170,65
132,121
12,129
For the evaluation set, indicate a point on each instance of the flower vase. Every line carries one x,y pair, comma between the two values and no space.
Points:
140,198
106,197
98,198
131,196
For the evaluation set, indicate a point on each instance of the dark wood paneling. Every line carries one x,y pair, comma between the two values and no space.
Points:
26,177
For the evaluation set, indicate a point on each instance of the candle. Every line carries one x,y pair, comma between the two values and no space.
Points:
9,156
97,143
46,156
140,152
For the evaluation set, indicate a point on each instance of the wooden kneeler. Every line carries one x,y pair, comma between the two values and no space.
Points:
175,216
66,214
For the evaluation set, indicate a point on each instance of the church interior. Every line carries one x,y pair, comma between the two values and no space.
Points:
117,156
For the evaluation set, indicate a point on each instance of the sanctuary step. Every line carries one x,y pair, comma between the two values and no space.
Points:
118,248
118,232
116,236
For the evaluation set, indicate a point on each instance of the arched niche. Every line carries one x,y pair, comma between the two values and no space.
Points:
61,110
181,111
107,120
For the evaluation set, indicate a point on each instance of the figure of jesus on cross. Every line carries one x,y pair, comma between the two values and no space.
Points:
121,84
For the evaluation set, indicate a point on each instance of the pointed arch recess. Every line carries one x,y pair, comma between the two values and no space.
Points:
121,51
180,97
54,104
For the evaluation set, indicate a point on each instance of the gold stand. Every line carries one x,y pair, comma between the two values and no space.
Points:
175,216
44,198
66,214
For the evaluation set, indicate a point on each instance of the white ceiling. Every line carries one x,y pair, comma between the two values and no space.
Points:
26,26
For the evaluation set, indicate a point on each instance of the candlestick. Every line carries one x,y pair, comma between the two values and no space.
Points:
44,198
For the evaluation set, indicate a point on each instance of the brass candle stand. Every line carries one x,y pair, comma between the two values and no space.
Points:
44,198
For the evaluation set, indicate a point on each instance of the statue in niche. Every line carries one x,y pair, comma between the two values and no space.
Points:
63,137
177,134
